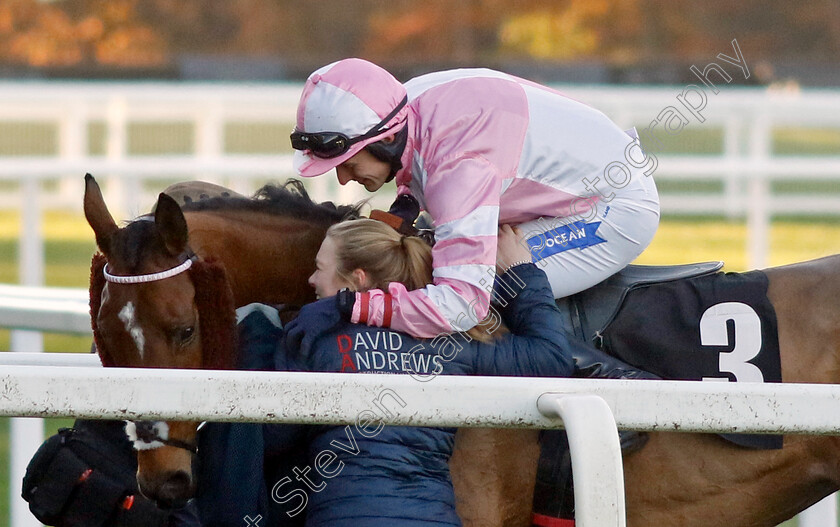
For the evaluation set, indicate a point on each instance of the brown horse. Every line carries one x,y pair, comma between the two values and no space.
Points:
697,480
676,480
238,253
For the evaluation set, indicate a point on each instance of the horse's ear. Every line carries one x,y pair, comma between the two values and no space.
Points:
171,224
97,215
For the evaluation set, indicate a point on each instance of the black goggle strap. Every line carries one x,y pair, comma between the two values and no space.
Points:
376,130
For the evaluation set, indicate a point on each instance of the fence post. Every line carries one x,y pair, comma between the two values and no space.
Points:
596,457
72,148
758,183
26,433
117,189
733,185
209,137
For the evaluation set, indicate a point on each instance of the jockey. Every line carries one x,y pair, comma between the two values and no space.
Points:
479,148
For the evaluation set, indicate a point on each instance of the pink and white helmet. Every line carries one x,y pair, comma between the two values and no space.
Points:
344,107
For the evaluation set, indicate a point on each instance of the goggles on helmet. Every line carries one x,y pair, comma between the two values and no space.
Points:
327,145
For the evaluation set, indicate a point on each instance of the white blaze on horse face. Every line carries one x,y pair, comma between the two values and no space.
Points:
129,320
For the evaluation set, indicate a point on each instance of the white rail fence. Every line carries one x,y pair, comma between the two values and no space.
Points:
589,409
129,134
32,384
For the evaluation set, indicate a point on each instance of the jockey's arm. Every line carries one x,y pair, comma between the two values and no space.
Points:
462,195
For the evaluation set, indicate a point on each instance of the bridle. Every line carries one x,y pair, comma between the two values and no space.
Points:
149,435
189,258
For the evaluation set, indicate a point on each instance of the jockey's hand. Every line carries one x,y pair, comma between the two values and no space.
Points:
344,300
315,319
511,248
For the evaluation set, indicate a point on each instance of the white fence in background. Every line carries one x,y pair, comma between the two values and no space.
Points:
128,134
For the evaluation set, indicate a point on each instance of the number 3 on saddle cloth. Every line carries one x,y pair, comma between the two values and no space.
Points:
687,322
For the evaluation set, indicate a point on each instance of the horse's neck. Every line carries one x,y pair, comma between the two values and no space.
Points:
268,258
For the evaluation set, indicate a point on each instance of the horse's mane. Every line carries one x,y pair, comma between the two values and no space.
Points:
132,245
288,199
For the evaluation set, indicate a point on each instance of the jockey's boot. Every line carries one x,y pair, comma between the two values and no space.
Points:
590,362
554,490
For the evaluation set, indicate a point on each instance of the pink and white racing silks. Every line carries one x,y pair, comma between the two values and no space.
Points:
486,148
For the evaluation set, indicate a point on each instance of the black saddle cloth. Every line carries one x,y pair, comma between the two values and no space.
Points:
685,323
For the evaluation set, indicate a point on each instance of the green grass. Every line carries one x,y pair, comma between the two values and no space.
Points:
806,141
700,140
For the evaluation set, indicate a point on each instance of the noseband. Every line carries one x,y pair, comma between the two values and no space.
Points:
149,435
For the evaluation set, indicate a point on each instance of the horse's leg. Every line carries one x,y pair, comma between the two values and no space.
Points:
493,471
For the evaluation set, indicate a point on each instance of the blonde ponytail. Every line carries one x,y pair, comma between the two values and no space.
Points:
386,256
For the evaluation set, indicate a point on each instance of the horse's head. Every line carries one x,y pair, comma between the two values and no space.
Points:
154,304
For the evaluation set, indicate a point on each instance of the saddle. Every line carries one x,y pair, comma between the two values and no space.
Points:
588,313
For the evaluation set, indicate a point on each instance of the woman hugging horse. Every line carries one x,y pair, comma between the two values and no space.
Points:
370,474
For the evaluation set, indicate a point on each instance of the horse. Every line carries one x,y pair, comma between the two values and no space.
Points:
676,479
238,251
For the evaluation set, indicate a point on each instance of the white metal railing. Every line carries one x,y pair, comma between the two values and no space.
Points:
745,119
287,397
32,385
64,310
587,407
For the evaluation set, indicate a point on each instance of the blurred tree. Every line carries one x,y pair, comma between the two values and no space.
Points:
768,29
407,36
435,31
555,30
75,33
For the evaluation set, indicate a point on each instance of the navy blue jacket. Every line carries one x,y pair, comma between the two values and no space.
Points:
373,475
365,475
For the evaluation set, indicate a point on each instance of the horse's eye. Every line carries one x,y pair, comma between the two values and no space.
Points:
186,334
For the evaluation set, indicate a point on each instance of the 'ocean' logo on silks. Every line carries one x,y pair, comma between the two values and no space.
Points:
576,235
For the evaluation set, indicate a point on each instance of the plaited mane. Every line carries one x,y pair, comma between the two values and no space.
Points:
216,313
97,284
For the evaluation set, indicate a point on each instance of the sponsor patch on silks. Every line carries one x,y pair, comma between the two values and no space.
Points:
576,235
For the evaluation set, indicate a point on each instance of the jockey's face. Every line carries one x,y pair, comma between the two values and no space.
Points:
325,279
364,169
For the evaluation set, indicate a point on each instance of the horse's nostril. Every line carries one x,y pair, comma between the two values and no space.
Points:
175,491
